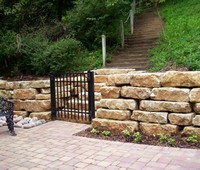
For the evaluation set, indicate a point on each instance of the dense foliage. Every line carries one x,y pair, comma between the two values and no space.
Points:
179,44
38,37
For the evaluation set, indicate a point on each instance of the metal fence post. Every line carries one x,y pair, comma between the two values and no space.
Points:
104,50
91,95
53,97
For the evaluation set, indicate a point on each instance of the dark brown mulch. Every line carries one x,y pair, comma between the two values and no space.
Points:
180,141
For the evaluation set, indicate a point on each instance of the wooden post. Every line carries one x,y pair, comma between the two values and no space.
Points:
122,33
104,50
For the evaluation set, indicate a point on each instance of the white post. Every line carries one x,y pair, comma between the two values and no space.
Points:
131,20
104,50
132,14
122,34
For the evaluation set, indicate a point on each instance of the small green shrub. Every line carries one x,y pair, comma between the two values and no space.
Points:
33,59
8,50
137,137
162,138
106,133
94,131
192,139
126,133
171,141
42,57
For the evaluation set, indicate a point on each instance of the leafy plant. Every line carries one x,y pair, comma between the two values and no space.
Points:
94,131
171,141
126,133
106,133
137,137
162,138
192,139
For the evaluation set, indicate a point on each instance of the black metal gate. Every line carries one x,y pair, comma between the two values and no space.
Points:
72,97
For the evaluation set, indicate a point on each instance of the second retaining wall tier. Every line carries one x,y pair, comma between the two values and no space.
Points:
154,103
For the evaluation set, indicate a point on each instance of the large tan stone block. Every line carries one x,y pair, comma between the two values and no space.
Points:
118,79
121,104
13,85
5,93
97,105
21,113
84,95
41,115
113,71
196,120
113,114
25,93
36,84
181,79
189,130
45,91
155,129
98,86
3,84
42,96
28,84
196,107
151,117
195,95
160,106
181,119
146,80
170,94
110,92
100,78
114,124
135,92
32,105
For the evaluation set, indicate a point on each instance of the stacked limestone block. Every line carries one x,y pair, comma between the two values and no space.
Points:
100,80
31,98
154,103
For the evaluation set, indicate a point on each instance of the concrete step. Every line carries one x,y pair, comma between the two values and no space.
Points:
140,40
144,59
132,66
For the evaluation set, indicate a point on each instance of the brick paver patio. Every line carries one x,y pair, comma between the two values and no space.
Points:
52,146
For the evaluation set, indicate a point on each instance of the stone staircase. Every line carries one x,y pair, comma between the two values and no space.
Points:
148,27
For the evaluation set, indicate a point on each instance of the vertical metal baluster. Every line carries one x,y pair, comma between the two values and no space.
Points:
91,95
68,95
71,91
53,97
81,97
63,79
74,116
57,98
85,95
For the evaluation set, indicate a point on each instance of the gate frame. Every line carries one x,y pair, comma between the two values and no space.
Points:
91,99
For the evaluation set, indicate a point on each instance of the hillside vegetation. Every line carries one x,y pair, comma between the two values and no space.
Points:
179,45
39,37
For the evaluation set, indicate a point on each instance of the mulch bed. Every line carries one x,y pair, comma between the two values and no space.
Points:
180,140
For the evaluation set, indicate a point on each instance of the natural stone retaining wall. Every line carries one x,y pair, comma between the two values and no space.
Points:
152,102
31,98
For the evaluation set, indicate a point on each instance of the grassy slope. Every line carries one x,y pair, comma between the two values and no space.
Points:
180,43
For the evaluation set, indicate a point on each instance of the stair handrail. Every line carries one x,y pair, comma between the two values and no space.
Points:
131,16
